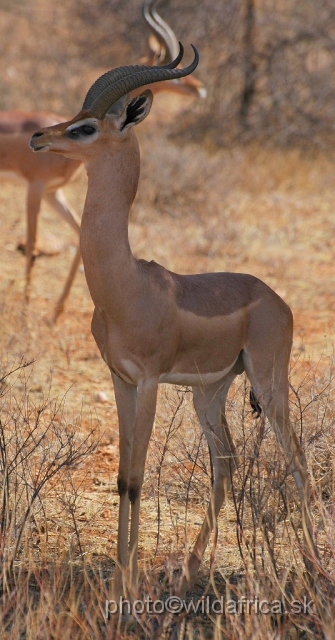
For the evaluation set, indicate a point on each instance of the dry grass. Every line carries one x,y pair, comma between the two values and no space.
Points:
258,210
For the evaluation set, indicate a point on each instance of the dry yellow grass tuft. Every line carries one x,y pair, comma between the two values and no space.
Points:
256,210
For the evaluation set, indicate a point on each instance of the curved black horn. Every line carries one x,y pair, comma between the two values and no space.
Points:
110,77
149,75
161,29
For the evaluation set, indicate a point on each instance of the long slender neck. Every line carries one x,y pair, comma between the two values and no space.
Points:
112,185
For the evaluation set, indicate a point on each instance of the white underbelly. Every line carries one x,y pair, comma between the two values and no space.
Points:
51,185
55,183
134,374
14,177
194,379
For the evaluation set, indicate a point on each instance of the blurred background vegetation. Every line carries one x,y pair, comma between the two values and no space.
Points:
269,66
241,181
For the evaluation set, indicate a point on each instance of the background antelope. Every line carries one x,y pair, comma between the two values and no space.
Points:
46,176
163,47
44,179
154,326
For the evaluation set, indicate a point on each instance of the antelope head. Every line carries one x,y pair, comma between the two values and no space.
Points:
164,47
108,109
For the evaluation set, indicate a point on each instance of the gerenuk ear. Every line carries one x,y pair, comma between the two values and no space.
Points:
136,110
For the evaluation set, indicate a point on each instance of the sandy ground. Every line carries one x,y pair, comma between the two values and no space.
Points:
265,212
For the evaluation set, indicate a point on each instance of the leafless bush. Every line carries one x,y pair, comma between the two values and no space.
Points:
269,67
267,510
36,443
44,596
268,530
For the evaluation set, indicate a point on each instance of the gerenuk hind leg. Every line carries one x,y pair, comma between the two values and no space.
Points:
209,403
